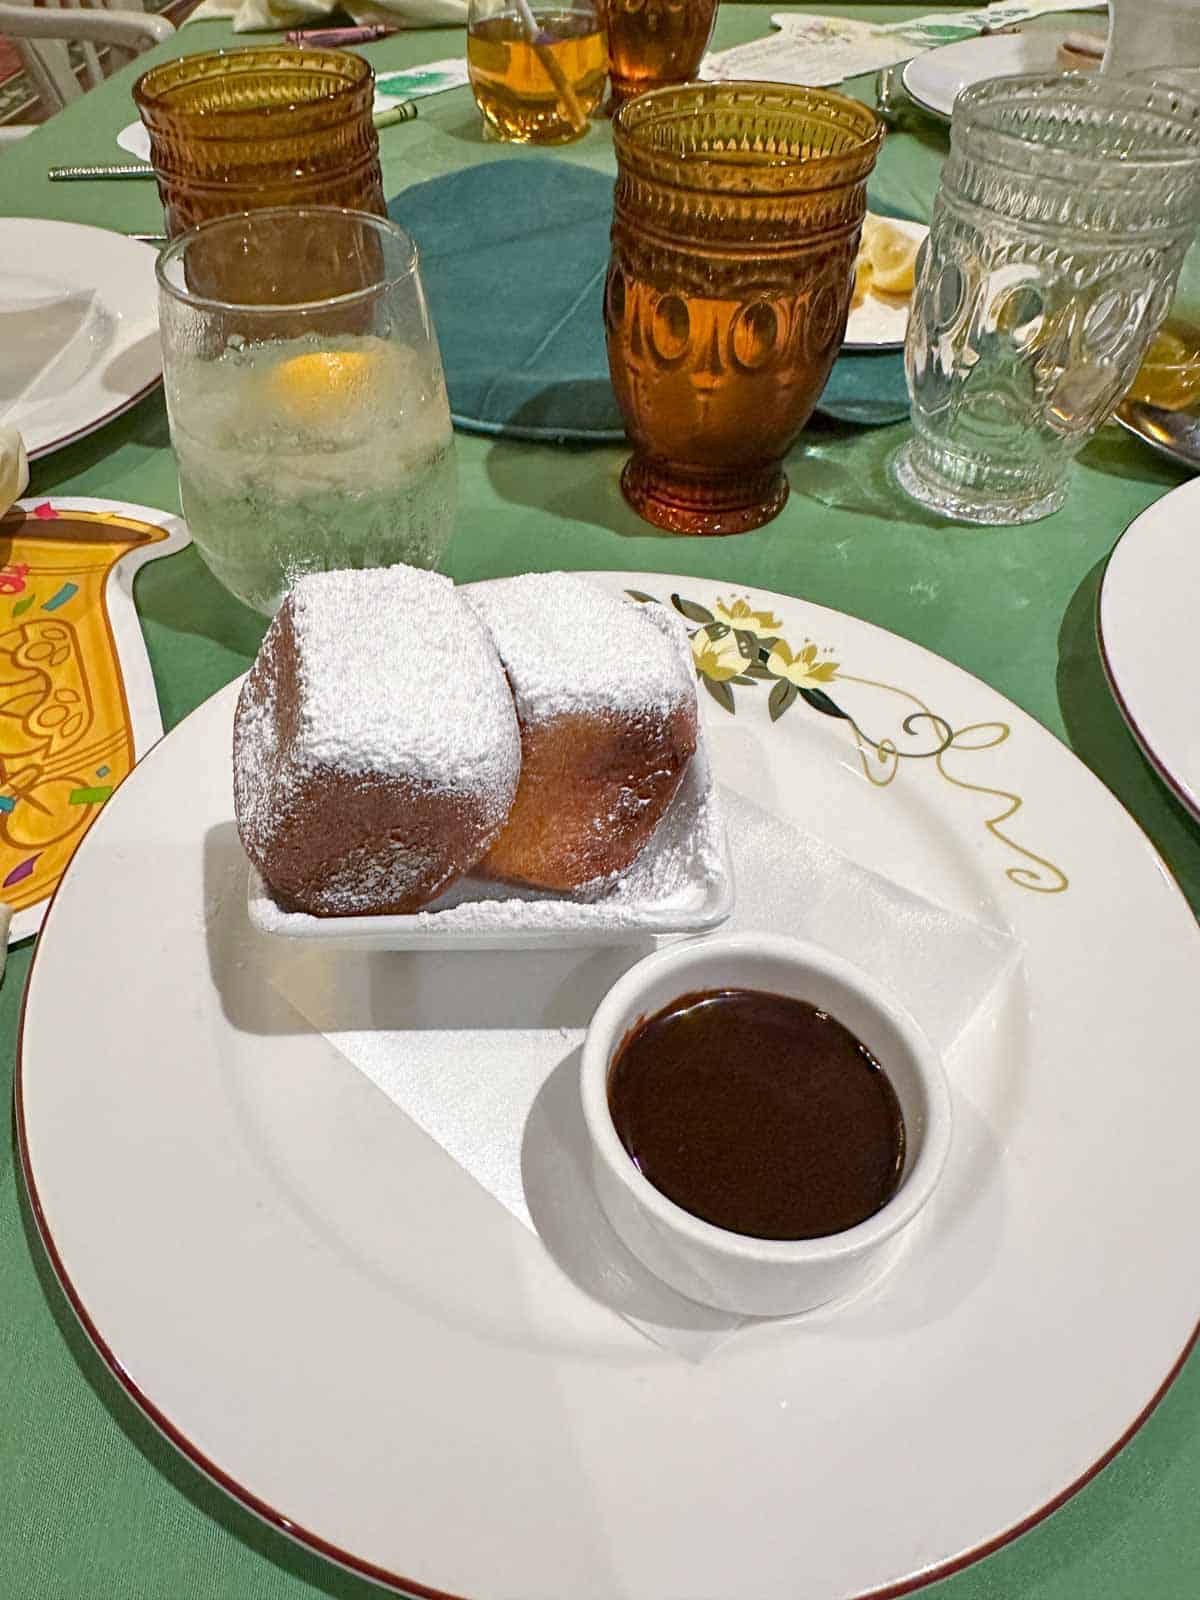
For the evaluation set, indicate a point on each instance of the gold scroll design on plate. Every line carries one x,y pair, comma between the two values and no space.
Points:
736,648
66,737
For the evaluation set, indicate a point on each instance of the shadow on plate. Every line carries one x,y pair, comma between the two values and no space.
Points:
126,372
241,960
556,1176
1099,736
503,989
347,990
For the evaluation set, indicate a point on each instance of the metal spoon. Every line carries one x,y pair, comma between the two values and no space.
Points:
1173,434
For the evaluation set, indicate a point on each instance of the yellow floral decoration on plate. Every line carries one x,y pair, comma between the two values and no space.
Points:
735,647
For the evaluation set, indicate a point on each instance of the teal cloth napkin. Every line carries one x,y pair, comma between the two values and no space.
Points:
513,254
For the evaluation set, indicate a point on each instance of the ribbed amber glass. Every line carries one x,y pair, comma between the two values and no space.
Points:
653,44
736,221
241,130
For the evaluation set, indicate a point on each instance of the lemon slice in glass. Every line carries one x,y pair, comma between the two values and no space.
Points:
321,386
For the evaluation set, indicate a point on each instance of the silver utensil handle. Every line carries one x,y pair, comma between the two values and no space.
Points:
74,174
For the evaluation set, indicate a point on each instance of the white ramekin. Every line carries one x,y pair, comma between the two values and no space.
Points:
763,1277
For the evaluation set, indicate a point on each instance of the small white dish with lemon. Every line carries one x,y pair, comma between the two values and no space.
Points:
885,276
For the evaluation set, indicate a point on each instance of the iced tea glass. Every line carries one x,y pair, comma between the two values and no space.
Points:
242,130
736,222
537,71
656,44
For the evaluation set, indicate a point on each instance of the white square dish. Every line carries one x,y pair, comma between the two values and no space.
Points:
681,883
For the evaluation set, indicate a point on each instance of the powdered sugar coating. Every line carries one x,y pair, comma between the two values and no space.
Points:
616,659
399,678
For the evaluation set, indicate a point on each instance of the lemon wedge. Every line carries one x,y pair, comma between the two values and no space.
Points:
1169,375
321,386
863,276
893,257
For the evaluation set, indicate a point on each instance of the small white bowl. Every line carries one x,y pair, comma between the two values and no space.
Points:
763,1277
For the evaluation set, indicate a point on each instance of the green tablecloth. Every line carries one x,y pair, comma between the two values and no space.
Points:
95,1505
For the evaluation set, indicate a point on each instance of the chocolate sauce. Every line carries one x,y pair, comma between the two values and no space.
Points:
758,1113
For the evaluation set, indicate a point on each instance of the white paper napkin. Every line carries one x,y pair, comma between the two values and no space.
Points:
482,1051
822,50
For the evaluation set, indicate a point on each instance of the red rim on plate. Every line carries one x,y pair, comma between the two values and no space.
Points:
93,427
279,1520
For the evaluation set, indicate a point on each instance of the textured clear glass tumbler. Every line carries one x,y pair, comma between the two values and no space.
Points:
306,399
1065,210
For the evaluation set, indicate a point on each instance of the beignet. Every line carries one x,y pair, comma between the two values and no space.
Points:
606,704
375,745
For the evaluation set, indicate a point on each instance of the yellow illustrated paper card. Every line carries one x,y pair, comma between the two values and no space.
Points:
78,706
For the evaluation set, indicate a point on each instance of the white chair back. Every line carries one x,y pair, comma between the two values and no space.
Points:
43,31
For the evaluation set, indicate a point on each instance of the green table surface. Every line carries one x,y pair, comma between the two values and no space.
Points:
95,1505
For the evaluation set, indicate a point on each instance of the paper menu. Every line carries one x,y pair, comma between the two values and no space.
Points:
826,50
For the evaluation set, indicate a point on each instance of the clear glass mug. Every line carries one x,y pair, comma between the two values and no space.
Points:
1058,231
306,398
537,70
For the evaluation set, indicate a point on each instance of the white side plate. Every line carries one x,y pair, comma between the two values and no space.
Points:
880,323
78,329
936,79
1147,626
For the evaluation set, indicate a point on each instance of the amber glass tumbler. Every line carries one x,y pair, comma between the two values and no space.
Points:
653,44
736,221
241,130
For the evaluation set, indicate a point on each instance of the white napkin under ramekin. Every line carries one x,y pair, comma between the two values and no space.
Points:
482,1051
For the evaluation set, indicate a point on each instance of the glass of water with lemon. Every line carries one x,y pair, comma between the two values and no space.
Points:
306,398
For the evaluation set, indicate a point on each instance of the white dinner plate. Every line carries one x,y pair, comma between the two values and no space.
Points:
1147,630
330,1318
78,329
936,78
881,322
